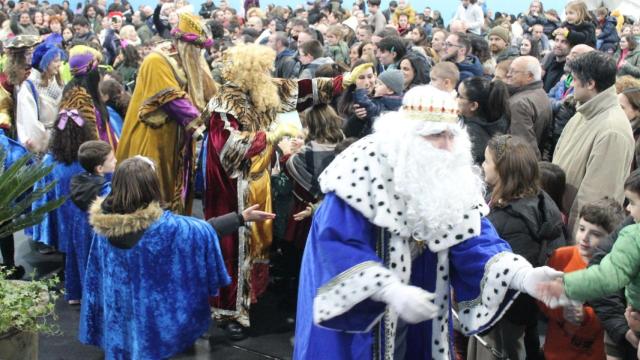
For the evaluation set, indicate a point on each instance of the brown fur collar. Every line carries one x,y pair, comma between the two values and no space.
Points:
112,225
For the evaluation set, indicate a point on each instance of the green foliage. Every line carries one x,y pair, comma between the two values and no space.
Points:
16,196
28,306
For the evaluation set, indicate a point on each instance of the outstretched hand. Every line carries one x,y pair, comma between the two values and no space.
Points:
552,294
307,212
253,214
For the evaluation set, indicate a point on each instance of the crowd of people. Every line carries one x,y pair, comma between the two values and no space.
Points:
416,190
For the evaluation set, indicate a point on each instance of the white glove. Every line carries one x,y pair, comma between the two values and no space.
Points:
412,303
527,279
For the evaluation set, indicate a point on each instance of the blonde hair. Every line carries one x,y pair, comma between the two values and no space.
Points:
337,31
446,70
249,67
626,82
127,30
581,9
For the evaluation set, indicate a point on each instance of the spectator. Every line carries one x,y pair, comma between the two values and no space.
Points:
206,9
393,6
484,110
528,49
360,77
363,33
82,29
142,29
286,66
607,39
534,16
387,95
531,113
129,36
377,19
94,15
127,64
585,340
620,341
501,71
310,55
578,27
390,51
528,219
562,101
499,44
21,25
471,14
415,70
553,64
444,77
438,21
335,47
630,103
539,39
596,147
437,42
457,49
628,57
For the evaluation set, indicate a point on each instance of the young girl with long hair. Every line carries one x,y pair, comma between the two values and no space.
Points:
62,226
578,27
528,219
127,298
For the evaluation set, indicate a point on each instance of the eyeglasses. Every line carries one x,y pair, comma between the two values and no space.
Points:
511,72
448,44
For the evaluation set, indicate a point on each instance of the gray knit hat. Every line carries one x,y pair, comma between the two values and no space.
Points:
394,80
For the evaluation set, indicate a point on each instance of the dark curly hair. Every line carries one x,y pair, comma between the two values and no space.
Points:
65,143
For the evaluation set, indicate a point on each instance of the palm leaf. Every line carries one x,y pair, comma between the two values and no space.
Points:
17,193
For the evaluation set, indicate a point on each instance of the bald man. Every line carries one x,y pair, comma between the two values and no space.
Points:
531,114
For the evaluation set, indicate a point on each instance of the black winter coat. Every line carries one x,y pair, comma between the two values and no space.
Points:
583,33
533,227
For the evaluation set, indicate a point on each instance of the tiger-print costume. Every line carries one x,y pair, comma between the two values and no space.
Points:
79,99
233,100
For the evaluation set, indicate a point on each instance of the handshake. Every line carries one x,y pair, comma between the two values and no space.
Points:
415,305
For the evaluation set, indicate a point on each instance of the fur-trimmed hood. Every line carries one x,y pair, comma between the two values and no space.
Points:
117,225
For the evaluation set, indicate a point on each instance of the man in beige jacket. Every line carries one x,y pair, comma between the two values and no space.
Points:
596,147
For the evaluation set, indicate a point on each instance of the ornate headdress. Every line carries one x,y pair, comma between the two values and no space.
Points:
430,104
83,59
190,30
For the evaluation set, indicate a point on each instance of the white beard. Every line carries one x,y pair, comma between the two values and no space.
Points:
437,186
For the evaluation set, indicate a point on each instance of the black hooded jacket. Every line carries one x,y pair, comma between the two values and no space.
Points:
533,227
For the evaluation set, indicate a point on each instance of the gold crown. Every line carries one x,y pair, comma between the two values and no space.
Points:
430,104
190,24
